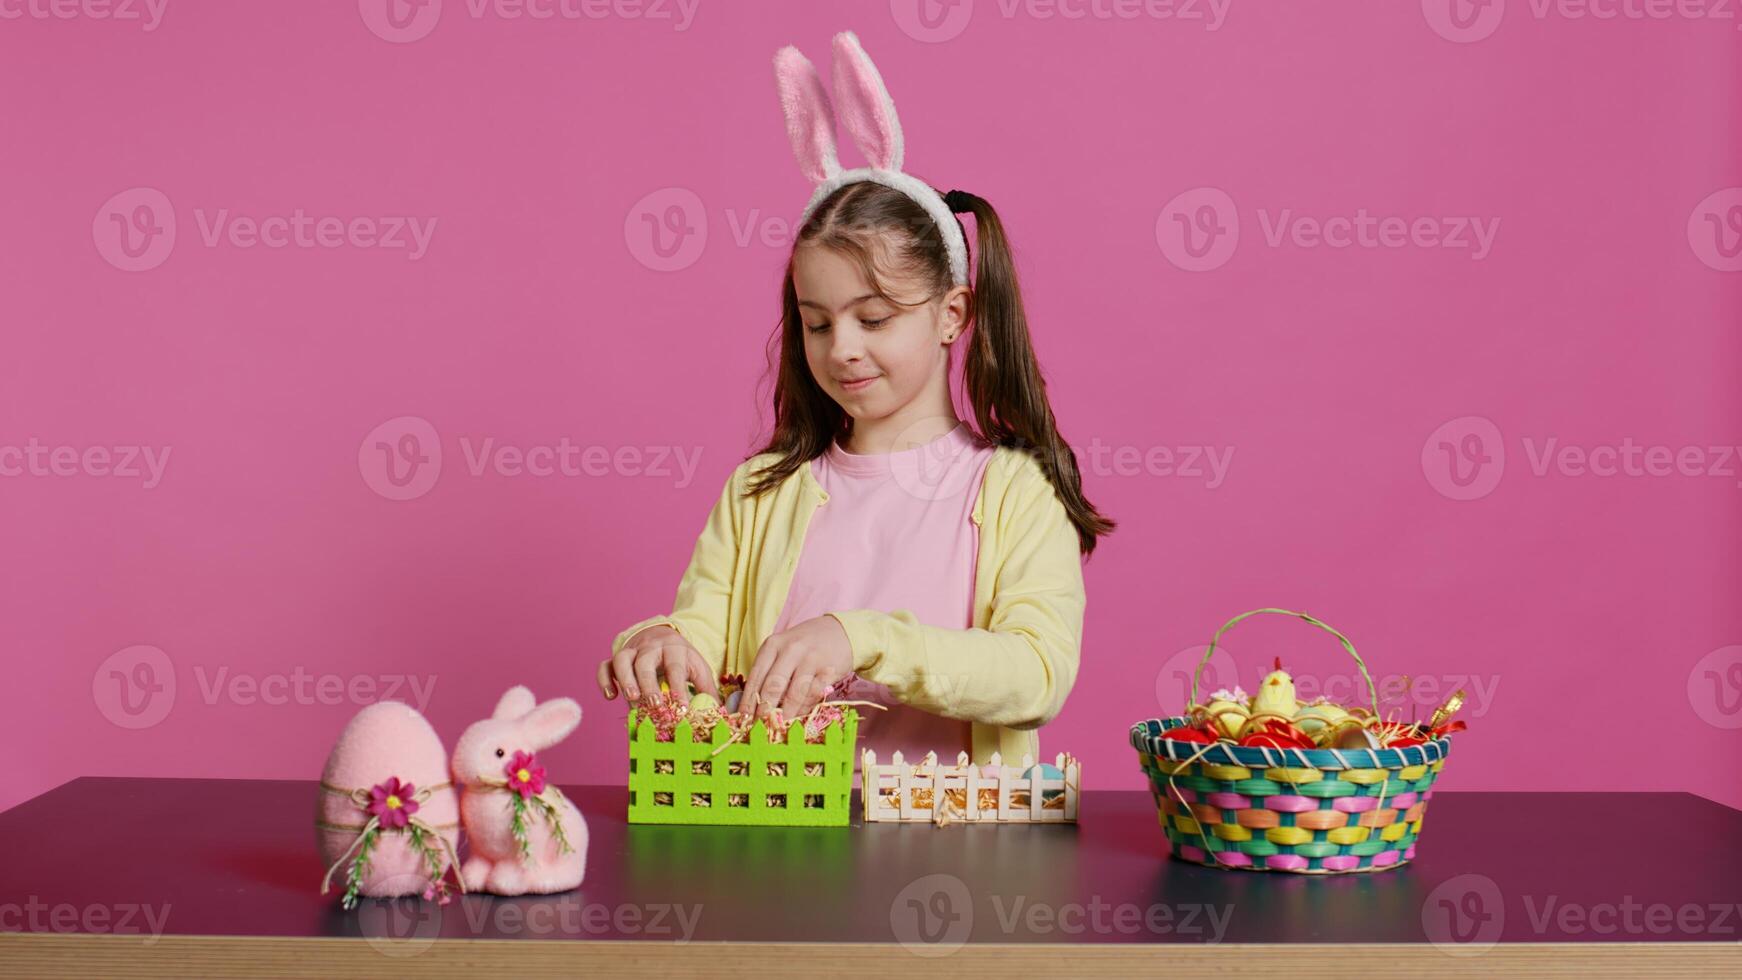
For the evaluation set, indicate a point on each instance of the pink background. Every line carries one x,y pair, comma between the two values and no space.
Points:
1599,613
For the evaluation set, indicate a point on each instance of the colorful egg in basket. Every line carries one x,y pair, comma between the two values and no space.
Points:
1306,811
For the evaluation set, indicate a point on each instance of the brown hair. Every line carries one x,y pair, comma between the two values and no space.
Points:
868,221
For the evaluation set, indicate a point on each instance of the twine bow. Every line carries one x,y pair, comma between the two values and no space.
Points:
362,798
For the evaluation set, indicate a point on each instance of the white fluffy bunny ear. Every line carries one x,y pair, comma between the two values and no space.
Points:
516,702
810,117
865,106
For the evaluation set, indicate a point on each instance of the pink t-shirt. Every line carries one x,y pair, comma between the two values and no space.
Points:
894,534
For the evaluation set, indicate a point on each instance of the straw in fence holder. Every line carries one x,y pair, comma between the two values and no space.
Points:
901,792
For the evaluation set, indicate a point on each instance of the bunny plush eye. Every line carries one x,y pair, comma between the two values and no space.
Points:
500,753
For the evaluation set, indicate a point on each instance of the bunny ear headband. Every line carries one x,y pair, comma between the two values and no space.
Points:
869,115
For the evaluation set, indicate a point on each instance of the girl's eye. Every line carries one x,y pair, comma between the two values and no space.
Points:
874,324
819,328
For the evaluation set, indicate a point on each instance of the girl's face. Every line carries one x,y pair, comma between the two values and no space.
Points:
872,356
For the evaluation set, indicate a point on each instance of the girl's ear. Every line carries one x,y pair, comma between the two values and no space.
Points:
550,723
866,108
810,118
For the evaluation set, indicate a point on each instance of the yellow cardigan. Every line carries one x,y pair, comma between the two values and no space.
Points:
1008,675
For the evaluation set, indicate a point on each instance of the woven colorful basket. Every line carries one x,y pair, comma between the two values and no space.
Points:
1308,811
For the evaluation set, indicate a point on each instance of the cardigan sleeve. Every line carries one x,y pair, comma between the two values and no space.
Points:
700,611
1017,671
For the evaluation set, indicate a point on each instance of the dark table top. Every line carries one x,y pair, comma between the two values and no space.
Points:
238,858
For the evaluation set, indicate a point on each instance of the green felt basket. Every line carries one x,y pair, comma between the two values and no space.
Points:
752,781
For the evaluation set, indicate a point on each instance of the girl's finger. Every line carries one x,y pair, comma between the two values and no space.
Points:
647,672
677,672
794,705
606,687
703,675
623,668
765,658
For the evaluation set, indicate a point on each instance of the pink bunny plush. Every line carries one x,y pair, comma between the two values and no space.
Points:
525,836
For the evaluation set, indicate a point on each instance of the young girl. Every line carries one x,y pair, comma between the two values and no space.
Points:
879,548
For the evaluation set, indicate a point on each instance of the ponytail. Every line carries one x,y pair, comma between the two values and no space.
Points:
1003,378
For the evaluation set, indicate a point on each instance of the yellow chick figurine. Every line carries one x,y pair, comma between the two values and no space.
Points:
1276,695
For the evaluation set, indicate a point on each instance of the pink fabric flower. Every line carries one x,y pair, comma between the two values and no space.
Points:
392,802
525,775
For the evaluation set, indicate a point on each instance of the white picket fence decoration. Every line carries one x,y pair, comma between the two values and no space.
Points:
904,778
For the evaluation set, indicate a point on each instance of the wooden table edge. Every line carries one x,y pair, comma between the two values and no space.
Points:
46,954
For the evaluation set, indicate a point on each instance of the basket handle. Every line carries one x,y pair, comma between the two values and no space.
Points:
1372,691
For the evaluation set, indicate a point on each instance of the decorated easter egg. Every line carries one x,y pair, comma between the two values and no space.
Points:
1187,733
1046,772
389,768
1227,712
1318,718
702,701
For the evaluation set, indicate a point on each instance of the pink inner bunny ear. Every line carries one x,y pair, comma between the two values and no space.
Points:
810,118
866,108
551,722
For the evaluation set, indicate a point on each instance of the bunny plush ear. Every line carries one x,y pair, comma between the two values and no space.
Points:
516,702
551,722
866,108
810,117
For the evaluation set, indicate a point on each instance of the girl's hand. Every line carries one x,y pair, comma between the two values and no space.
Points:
636,668
796,667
